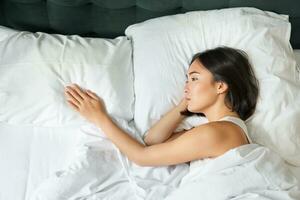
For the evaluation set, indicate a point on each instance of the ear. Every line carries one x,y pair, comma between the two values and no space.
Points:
221,87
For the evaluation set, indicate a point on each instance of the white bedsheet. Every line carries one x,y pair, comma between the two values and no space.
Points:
29,155
246,172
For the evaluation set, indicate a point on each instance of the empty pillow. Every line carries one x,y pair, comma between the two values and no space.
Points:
163,48
36,67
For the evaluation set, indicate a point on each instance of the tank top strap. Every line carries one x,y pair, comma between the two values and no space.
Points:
238,122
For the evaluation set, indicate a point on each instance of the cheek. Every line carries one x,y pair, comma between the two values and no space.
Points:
202,90
202,94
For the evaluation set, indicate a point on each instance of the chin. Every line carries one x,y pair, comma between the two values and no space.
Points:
193,110
190,109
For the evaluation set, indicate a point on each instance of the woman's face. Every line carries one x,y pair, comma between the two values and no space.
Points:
200,89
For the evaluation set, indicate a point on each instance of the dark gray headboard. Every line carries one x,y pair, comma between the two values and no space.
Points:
109,18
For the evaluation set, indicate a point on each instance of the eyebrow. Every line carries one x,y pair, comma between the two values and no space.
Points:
192,72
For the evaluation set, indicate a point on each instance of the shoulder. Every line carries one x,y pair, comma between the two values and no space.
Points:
220,129
231,131
211,130
219,136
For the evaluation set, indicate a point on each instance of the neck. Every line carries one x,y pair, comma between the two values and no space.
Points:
217,112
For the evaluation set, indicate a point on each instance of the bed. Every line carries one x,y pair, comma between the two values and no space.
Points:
32,152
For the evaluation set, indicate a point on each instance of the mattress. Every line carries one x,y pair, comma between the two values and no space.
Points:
30,154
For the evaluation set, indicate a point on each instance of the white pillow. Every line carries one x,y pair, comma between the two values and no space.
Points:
6,32
297,57
163,48
35,68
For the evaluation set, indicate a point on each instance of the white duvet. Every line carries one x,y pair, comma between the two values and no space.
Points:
39,163
247,172
101,172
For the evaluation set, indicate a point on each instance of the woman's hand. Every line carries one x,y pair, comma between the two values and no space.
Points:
87,103
182,106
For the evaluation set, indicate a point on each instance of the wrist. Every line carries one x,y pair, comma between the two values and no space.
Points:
102,119
180,109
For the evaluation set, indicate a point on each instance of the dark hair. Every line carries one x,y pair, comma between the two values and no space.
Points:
232,67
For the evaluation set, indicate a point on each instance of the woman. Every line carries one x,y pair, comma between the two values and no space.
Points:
220,85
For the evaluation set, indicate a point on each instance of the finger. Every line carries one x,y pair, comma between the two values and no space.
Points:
79,91
73,105
72,99
74,94
92,94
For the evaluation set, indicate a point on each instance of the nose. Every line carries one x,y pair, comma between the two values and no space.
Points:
186,88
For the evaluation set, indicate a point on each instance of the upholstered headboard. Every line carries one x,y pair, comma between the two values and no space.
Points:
109,18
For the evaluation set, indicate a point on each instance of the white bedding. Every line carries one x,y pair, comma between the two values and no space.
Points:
225,177
30,154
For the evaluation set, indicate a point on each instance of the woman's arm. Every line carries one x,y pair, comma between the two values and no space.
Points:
163,129
197,143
